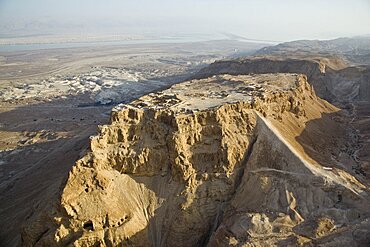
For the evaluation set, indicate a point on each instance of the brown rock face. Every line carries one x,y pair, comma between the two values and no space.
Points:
331,78
222,161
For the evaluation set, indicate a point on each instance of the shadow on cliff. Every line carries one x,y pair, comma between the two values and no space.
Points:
331,142
48,139
180,223
329,139
322,140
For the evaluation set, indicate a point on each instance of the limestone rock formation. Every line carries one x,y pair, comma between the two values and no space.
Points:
331,77
244,160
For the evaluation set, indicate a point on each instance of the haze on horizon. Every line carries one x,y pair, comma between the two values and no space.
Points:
256,19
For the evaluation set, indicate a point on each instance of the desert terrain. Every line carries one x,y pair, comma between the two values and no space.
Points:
191,123
53,100
216,143
220,161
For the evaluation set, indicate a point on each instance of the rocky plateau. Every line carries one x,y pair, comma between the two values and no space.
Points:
241,155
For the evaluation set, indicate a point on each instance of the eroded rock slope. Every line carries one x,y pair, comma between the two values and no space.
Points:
246,160
331,77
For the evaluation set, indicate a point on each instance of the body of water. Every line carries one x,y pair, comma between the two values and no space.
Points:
36,46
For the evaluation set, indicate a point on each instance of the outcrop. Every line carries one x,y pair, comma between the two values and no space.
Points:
226,160
331,77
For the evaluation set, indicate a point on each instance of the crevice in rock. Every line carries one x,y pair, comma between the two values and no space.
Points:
244,164
41,236
223,206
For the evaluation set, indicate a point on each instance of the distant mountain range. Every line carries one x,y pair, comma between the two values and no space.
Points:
356,49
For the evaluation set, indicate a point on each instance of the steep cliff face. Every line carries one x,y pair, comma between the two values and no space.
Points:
222,161
331,78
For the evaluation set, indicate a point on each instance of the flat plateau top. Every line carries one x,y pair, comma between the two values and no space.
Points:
198,95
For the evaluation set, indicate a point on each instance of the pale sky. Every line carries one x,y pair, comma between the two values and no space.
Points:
280,20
